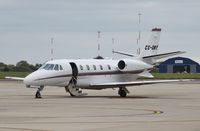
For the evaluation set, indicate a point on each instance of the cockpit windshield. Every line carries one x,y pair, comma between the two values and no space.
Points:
55,67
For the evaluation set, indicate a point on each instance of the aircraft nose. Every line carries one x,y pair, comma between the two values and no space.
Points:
32,79
28,80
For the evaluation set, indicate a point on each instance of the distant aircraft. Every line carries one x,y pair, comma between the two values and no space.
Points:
97,74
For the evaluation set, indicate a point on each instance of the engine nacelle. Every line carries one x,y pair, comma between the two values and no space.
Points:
126,64
132,65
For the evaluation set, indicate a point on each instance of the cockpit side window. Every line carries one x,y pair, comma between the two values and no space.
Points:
61,68
46,66
50,67
56,67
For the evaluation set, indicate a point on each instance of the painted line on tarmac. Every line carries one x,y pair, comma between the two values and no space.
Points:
23,129
113,122
158,112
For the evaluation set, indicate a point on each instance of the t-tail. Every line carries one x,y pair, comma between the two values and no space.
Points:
151,48
150,52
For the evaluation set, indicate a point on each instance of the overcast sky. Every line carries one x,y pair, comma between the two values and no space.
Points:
26,27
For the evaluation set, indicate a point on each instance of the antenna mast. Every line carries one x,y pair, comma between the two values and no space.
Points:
113,42
52,48
99,48
139,33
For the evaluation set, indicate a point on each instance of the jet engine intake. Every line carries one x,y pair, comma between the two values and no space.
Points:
121,64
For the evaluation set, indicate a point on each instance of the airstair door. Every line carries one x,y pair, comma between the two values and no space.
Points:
74,73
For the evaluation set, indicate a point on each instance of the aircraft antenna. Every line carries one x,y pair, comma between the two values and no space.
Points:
52,40
139,33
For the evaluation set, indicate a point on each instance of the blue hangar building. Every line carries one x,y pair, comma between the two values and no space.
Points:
179,65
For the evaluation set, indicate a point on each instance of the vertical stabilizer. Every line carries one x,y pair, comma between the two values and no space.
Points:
151,48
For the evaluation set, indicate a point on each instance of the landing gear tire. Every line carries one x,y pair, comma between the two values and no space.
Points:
71,94
122,93
38,95
68,91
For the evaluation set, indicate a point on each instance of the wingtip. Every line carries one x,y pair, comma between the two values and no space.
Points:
181,52
14,78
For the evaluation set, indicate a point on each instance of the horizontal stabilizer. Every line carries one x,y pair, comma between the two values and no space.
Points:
15,78
152,58
123,53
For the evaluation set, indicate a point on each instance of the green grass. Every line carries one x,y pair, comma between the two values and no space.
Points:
13,74
175,76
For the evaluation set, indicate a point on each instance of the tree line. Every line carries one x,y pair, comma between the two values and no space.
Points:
21,66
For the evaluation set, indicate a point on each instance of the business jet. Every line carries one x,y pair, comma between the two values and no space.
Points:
96,74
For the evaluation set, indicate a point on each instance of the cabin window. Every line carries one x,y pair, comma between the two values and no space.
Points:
61,67
56,67
101,67
94,67
88,68
109,68
81,67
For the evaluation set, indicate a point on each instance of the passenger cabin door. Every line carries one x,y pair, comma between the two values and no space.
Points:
74,73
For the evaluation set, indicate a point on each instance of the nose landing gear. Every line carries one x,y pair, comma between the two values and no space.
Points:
38,94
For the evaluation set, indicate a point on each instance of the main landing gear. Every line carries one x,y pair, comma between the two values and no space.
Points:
74,91
38,94
123,91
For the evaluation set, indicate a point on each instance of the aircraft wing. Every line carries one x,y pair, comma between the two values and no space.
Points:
15,78
136,83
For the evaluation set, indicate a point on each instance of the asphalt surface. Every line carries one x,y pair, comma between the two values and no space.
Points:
157,107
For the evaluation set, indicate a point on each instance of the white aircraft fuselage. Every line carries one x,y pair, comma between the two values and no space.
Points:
87,72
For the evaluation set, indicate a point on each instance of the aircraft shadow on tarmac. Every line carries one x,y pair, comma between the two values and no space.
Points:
105,97
114,97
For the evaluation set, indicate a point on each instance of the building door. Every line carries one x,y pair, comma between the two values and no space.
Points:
193,69
169,68
181,69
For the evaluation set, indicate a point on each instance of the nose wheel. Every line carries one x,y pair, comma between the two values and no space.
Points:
38,94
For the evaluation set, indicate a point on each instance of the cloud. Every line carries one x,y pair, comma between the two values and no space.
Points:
28,25
89,15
